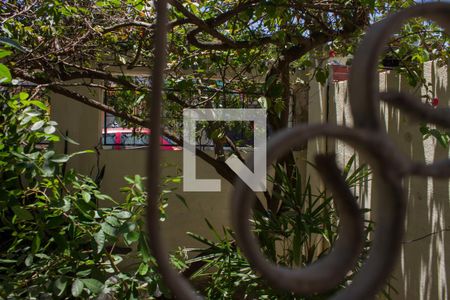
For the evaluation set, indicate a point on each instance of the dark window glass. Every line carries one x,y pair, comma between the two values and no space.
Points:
127,139
110,139
141,140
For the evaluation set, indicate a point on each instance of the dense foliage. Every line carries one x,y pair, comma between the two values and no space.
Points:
55,239
60,237
221,54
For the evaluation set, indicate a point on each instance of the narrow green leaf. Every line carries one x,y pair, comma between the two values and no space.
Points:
143,248
81,152
14,44
39,104
36,244
84,273
60,158
69,140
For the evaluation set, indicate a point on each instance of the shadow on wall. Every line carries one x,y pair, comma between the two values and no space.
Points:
422,273
424,263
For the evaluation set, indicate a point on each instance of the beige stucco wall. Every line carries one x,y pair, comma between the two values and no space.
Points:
421,272
84,125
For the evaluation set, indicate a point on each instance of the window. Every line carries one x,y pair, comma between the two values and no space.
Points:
117,134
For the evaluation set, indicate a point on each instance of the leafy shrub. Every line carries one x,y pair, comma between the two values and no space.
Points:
55,240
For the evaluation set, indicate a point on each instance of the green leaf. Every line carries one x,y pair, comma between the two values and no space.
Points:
201,239
39,104
49,129
176,179
67,204
23,96
86,196
64,270
100,240
77,288
21,213
412,80
84,273
349,165
143,248
26,120
424,130
143,269
93,285
123,214
4,53
60,158
60,284
101,196
443,140
29,260
47,170
263,102
33,113
108,229
5,75
131,237
69,140
113,221
36,244
38,125
81,152
321,75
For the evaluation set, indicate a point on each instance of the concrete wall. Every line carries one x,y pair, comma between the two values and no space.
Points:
424,264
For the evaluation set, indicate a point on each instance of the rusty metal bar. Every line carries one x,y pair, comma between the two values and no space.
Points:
368,137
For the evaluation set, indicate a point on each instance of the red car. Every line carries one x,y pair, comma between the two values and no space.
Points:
123,138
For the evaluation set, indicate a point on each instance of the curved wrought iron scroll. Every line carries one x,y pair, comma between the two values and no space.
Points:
367,136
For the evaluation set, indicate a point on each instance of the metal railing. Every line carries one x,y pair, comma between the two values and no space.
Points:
367,136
